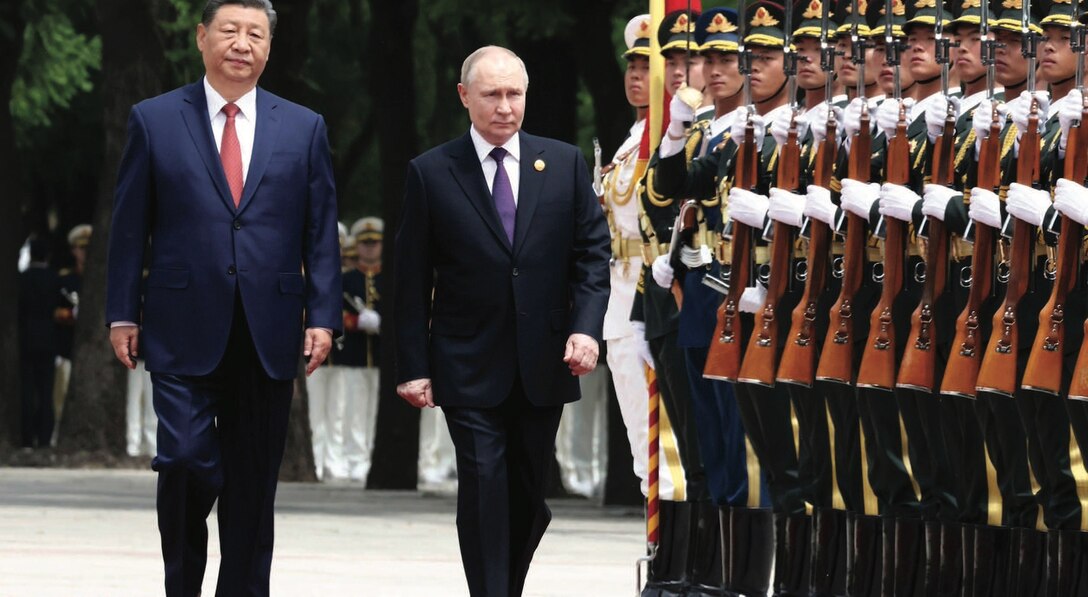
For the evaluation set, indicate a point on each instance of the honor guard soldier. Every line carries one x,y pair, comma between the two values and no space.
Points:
655,318
71,284
628,353
38,298
361,354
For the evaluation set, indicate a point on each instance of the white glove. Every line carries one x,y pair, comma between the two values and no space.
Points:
985,207
887,115
937,111
851,117
695,258
679,113
1068,113
642,347
858,197
897,201
984,116
369,321
817,121
780,126
786,207
662,271
1020,110
1027,204
935,200
747,207
759,128
1071,199
818,205
752,298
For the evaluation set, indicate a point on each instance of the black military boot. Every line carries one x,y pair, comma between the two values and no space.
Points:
667,576
950,574
751,552
792,559
1072,563
967,548
828,573
887,554
707,578
993,549
931,569
1029,572
910,551
864,555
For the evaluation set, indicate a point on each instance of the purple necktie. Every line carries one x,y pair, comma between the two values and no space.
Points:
503,193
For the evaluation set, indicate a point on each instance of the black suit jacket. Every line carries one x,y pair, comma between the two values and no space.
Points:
498,311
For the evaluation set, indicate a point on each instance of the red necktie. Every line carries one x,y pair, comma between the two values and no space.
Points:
230,153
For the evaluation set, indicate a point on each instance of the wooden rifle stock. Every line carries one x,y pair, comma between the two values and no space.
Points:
724,357
761,359
918,367
798,364
878,360
837,354
961,372
998,371
1044,368
683,231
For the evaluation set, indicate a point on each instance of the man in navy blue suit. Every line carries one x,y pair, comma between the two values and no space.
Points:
227,192
502,284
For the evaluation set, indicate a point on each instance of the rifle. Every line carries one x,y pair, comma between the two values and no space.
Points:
724,356
837,356
878,360
598,186
998,371
798,364
761,359
1044,367
918,368
961,372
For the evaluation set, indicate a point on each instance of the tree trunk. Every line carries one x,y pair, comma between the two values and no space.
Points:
600,73
133,62
11,234
396,442
551,104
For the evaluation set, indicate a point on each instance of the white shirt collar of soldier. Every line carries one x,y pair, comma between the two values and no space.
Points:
770,117
922,106
634,137
245,123
723,123
487,163
970,102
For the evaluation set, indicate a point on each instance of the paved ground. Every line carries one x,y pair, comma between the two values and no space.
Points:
91,533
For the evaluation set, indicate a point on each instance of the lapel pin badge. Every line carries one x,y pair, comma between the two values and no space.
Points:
539,165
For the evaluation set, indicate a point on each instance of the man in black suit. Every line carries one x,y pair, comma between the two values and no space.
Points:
502,284
39,297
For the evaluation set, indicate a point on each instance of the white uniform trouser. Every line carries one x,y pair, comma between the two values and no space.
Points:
327,388
629,378
581,444
362,414
437,460
61,376
141,423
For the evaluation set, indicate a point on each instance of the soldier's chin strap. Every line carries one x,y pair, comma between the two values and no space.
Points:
926,81
777,93
975,80
1063,81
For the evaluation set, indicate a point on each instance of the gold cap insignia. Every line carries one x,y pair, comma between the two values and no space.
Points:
720,24
763,18
925,4
863,7
971,4
815,10
1013,4
683,25
643,30
1070,2
538,165
898,8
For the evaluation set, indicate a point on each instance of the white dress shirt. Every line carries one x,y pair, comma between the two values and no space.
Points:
245,122
510,162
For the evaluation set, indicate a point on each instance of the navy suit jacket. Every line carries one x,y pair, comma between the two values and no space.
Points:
498,311
279,249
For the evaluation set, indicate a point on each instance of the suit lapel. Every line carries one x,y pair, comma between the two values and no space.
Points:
195,115
466,170
529,185
264,140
